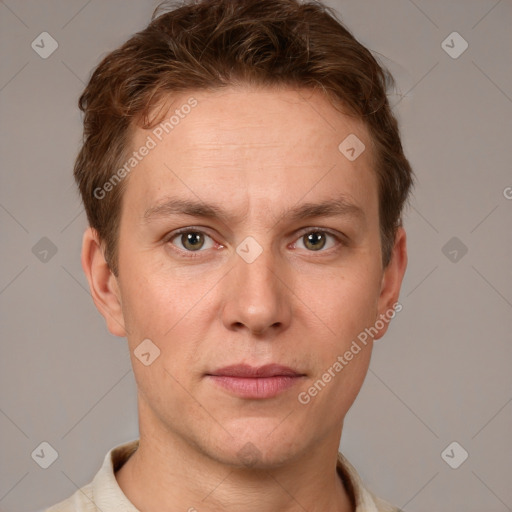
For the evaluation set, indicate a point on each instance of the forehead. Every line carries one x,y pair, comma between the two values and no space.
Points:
253,145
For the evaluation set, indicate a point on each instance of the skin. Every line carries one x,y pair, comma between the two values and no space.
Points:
255,152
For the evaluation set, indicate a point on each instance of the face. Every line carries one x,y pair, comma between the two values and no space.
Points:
278,263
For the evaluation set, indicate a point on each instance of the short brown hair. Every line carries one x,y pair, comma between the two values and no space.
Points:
209,44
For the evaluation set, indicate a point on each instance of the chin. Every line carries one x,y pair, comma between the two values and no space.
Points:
258,449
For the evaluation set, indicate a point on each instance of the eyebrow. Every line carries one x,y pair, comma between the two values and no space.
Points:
340,206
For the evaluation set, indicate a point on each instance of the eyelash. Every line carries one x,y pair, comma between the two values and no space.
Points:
193,254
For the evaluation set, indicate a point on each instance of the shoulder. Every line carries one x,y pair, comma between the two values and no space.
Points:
80,501
382,505
103,492
363,498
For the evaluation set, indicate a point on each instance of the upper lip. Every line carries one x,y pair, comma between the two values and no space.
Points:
245,370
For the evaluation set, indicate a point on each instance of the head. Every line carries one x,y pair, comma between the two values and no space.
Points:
273,120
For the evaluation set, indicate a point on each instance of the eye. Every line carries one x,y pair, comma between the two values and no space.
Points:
317,239
191,240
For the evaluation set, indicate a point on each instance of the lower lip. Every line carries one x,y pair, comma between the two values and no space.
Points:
261,387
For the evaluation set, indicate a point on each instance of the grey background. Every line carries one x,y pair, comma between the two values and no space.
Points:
441,373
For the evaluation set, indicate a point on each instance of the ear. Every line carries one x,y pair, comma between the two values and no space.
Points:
392,281
102,283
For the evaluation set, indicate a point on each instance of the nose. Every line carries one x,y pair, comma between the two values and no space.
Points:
257,296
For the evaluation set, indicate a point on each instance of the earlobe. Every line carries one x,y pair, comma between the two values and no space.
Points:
102,283
391,283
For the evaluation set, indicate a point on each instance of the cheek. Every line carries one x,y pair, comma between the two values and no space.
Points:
156,309
174,313
153,300
330,393
347,307
345,303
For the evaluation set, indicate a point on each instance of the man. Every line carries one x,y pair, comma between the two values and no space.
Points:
244,180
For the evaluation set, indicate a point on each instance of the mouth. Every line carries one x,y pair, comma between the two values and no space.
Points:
252,382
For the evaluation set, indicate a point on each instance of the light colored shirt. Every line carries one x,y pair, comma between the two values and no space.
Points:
104,494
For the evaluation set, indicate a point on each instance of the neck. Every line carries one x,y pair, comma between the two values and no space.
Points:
167,471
